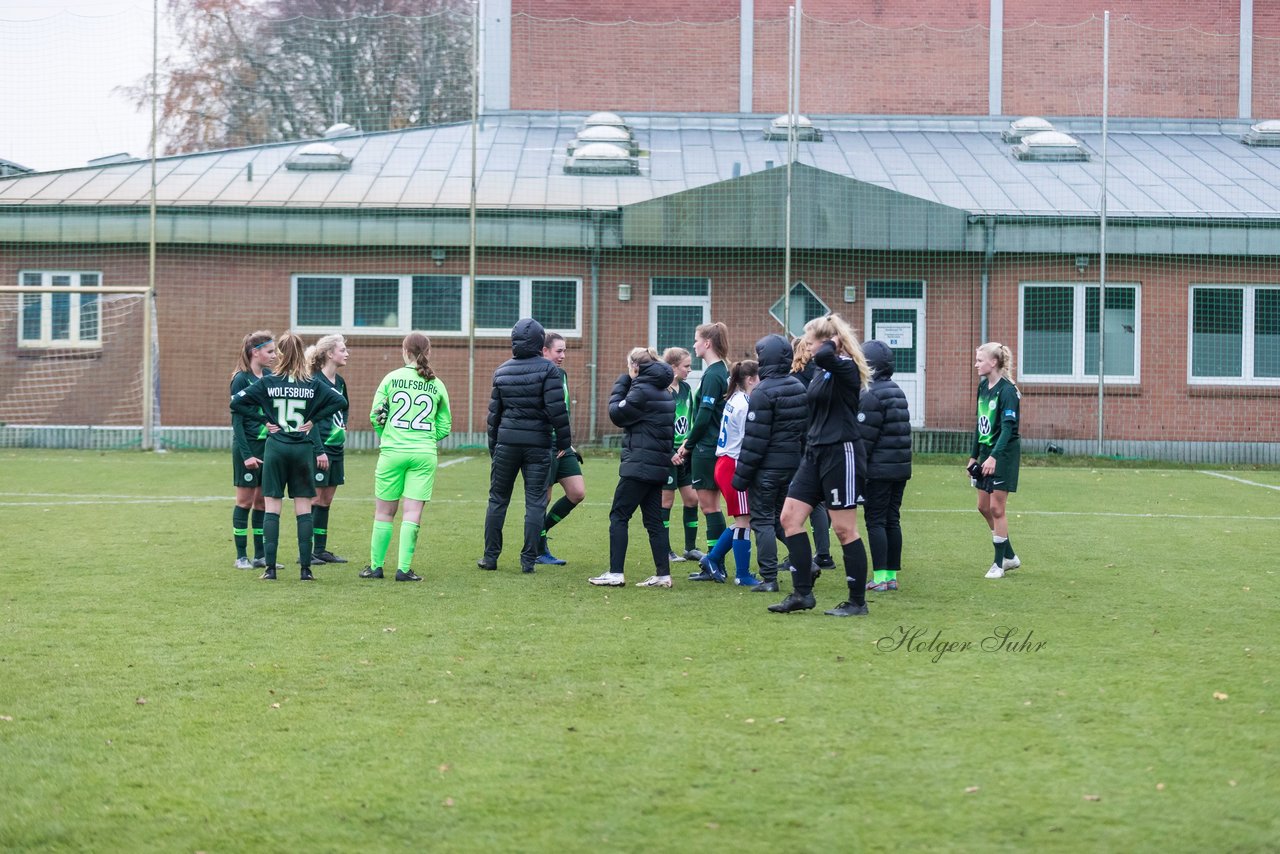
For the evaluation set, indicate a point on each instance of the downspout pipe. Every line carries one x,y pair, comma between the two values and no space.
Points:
988,255
597,237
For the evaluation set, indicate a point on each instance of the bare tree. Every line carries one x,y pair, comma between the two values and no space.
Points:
254,71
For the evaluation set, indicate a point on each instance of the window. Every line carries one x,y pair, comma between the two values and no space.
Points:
678,305
1060,327
1235,334
437,305
59,312
805,306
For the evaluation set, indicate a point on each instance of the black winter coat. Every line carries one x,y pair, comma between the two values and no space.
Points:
777,416
883,418
832,398
646,411
528,395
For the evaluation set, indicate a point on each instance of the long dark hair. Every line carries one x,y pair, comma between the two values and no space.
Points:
417,349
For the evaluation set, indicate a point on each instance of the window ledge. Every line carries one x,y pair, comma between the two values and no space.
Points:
1080,390
62,353
1234,391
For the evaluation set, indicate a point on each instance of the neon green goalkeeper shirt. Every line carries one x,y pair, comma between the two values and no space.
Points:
417,410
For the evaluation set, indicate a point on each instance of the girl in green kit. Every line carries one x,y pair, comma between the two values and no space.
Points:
994,462
411,415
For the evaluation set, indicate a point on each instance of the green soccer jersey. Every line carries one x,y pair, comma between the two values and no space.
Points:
998,412
417,412
684,412
250,426
333,430
709,408
290,403
564,381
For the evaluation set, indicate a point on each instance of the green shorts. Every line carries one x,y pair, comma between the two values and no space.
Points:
249,478
335,476
702,470
1005,478
401,475
679,476
562,467
289,465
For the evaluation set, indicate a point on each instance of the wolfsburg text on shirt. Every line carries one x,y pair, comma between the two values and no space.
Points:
291,391
418,385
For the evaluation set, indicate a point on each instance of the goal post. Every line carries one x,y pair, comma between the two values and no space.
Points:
78,362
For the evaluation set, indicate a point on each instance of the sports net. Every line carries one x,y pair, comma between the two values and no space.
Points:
635,173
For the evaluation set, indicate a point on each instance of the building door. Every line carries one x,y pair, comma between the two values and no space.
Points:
677,307
895,315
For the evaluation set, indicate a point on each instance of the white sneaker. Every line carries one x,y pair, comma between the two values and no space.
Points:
244,563
1011,562
608,579
996,571
656,581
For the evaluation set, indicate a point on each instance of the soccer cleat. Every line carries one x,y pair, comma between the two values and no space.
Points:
244,563
316,559
261,563
487,565
656,581
1011,563
608,579
824,562
714,569
794,602
694,554
326,556
268,575
747,580
306,575
996,571
548,559
847,609
765,587
876,587
401,575
672,557
370,572
528,570
893,583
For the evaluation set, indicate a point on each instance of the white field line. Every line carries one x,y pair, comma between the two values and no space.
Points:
1240,480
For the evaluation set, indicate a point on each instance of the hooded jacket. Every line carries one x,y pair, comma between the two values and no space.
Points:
646,411
528,395
777,416
883,418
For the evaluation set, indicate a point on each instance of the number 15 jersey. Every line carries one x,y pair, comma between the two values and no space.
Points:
417,412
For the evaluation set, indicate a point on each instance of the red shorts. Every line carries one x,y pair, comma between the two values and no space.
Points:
735,501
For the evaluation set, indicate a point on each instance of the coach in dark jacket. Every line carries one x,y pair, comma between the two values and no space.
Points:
885,424
772,445
527,404
642,405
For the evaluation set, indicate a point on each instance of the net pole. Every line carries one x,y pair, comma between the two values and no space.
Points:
471,260
148,305
1102,232
792,30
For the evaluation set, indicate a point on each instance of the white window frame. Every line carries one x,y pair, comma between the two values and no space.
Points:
526,304
46,290
1080,373
1246,334
703,302
799,283
347,325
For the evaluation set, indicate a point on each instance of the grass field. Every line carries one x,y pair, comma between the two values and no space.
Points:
152,698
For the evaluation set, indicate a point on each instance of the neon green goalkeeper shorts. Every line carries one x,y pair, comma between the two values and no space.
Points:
401,475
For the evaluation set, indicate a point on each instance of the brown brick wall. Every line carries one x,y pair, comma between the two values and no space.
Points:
1266,60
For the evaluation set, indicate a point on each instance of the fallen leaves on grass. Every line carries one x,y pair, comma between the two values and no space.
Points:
448,802
389,629
1218,695
141,701
275,705
6,718
1159,787
969,790
1093,797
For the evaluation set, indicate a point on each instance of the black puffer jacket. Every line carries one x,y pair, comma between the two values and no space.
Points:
883,418
777,416
528,395
646,411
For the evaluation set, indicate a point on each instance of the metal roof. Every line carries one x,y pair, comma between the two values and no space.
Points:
1157,169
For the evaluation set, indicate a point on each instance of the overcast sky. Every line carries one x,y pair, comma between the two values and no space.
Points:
60,63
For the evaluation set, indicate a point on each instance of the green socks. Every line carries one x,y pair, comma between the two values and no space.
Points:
379,543
408,543
240,529
999,543
690,528
320,521
715,527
